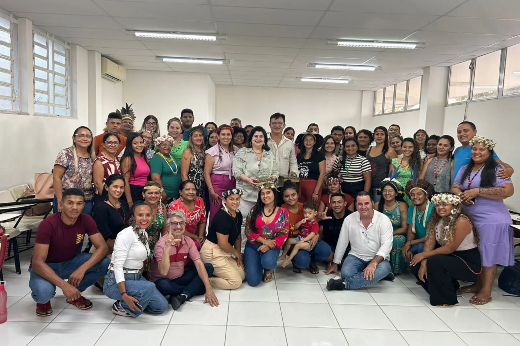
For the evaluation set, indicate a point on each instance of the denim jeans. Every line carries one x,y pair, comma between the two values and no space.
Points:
319,253
256,261
43,290
138,287
417,248
352,272
87,209
375,196
189,283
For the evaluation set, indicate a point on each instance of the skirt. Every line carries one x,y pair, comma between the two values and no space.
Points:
137,193
397,262
307,187
496,244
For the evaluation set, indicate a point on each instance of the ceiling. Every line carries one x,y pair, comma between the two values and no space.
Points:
270,42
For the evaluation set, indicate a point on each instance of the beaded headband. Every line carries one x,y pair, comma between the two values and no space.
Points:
421,184
163,138
393,182
333,180
446,198
225,128
230,192
488,143
152,187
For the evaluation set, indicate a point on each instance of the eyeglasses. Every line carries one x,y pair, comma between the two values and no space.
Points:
177,224
112,143
82,136
390,192
151,123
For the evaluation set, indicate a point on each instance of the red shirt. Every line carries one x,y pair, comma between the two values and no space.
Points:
294,218
64,241
194,217
309,227
179,257
98,143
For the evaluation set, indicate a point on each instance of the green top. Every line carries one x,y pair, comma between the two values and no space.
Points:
405,174
394,215
170,172
177,151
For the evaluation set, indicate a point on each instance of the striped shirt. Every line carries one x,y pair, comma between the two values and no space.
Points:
353,169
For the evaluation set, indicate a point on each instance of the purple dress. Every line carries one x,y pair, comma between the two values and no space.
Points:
493,221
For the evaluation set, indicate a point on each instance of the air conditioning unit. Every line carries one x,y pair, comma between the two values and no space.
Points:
112,71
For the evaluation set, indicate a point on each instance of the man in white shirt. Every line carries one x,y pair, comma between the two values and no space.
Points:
282,148
370,235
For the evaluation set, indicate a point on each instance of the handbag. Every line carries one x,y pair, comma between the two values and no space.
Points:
43,188
509,279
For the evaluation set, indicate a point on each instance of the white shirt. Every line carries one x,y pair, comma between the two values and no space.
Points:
365,243
128,252
284,153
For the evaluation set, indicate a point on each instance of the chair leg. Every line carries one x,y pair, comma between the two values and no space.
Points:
1,275
28,237
9,245
16,256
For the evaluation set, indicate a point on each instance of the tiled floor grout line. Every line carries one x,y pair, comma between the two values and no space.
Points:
280,307
108,325
227,318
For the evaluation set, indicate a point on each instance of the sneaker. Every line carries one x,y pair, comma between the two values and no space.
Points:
117,309
177,301
389,277
335,284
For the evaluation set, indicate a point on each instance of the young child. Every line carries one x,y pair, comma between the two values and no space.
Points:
309,229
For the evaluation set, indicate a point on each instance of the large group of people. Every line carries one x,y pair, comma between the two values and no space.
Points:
205,207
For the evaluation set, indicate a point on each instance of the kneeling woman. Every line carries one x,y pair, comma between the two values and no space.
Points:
222,247
456,257
266,230
124,282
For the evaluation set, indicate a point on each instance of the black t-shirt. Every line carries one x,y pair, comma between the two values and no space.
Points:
332,228
224,223
109,220
362,152
310,168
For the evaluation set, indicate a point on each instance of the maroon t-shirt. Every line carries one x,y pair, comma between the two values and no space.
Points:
64,241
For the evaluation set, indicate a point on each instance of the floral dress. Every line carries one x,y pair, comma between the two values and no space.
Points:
397,262
155,228
196,174
278,229
76,176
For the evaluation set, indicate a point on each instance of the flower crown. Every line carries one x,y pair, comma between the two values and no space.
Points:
163,138
266,184
333,180
230,192
482,140
446,198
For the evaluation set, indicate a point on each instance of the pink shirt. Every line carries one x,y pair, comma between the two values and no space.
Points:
142,171
223,160
179,256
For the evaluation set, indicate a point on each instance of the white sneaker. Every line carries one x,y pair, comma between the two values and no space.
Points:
117,309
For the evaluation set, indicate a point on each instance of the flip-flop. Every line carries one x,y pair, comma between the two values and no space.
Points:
268,276
314,268
81,303
296,270
43,310
479,301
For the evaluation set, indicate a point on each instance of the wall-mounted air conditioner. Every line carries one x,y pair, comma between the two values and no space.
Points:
112,71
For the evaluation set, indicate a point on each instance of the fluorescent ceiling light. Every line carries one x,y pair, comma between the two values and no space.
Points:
345,67
376,44
194,60
516,73
178,35
325,80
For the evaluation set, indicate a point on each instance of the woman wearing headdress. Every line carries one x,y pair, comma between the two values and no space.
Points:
450,252
222,248
482,193
396,210
164,169
127,123
334,186
193,158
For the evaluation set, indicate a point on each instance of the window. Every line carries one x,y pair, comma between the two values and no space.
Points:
51,75
486,76
414,93
389,99
459,82
512,72
400,97
8,66
379,102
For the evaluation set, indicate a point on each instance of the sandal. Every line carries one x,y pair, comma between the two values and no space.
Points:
98,286
43,310
480,301
314,268
268,276
81,303
296,270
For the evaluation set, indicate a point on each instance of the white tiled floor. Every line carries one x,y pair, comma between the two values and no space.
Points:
294,310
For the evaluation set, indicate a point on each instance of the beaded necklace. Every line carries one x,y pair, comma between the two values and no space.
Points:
470,179
168,163
436,172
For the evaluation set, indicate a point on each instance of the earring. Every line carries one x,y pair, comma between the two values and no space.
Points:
454,211
182,199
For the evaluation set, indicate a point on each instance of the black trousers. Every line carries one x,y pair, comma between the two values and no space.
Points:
353,188
443,271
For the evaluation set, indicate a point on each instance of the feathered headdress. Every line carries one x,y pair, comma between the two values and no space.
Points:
127,112
394,183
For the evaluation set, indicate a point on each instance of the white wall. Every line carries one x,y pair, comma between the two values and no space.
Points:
165,94
112,99
498,120
408,121
254,105
32,142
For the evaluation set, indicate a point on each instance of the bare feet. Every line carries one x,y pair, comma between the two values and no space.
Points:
476,300
470,289
285,263
282,257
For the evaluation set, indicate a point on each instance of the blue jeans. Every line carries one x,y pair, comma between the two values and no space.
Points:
43,290
319,253
255,261
87,209
138,287
417,248
189,283
375,196
352,272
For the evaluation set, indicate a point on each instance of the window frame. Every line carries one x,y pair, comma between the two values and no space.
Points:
393,102
14,71
51,72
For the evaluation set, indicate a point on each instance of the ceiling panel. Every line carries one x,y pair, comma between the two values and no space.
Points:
500,9
337,53
166,69
293,31
259,57
131,58
187,53
156,10
106,34
376,21
164,24
323,32
264,41
79,7
437,7
284,4
182,45
414,56
475,25
71,21
177,2
85,42
121,51
266,16
145,64
255,64
447,49
260,50
455,38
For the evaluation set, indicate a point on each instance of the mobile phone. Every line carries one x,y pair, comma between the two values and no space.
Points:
139,306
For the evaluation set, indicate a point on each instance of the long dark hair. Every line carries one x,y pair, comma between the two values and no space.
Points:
385,145
259,207
452,144
381,205
131,222
325,142
249,140
344,154
301,154
129,152
287,185
415,161
488,176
